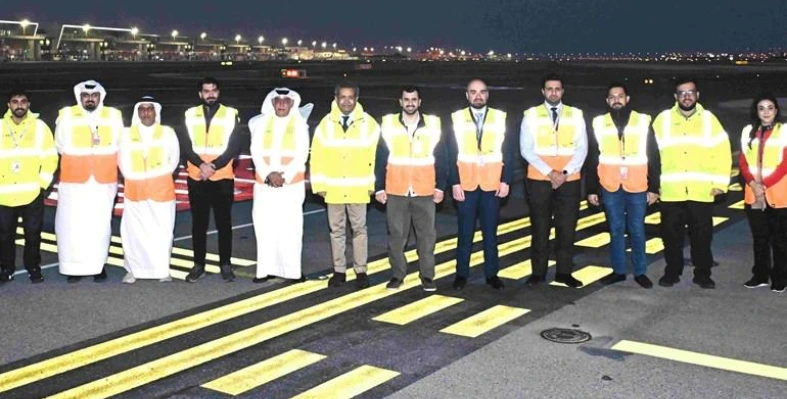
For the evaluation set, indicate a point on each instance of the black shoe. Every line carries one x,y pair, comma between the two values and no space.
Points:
756,282
460,283
6,276
260,280
612,279
196,273
73,279
704,282
226,273
643,281
337,279
495,282
297,280
394,284
535,280
668,281
568,280
779,287
36,277
361,280
428,285
101,277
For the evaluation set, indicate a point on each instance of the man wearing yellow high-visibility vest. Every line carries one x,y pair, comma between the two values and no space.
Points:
695,167
553,141
148,154
622,173
86,136
209,148
480,172
279,150
411,174
342,171
27,165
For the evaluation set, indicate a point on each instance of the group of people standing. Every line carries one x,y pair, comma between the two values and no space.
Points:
682,158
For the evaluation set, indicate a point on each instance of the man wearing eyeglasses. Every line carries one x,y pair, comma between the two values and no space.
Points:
695,167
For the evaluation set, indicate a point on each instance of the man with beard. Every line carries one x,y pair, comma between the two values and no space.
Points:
410,175
279,150
86,136
623,159
695,167
26,171
148,154
554,143
480,173
209,148
342,172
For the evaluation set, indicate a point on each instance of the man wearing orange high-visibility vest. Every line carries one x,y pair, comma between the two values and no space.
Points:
26,170
622,173
147,156
480,172
279,150
411,174
209,148
554,143
86,136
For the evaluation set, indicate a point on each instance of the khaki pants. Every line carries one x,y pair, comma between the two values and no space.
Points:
337,221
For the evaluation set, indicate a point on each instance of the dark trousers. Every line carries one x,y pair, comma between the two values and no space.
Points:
218,195
403,212
485,206
769,233
563,205
674,218
32,216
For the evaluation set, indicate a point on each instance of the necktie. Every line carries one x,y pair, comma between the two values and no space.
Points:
344,121
479,124
554,114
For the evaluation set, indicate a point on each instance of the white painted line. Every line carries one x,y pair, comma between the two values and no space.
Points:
243,226
49,266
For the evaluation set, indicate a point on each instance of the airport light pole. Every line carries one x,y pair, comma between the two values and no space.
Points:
203,35
24,23
86,29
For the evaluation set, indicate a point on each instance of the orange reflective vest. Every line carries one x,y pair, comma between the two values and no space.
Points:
623,162
267,147
146,166
553,143
210,143
775,195
480,164
411,161
88,146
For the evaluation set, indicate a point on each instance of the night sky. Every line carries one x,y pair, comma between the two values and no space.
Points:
532,26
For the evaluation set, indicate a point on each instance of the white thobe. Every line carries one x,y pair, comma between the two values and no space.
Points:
278,212
146,229
83,221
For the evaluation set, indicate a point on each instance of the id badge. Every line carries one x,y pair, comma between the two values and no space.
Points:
624,172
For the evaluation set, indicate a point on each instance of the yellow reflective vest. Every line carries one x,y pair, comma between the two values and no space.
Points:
623,162
147,167
479,164
342,162
28,159
88,144
772,157
695,155
555,147
210,143
411,160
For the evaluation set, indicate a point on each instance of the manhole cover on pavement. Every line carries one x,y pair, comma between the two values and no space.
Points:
566,335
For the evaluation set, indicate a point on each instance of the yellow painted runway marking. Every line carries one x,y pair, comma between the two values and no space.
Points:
596,241
587,275
735,187
350,384
654,218
738,205
717,220
417,310
264,372
700,359
520,270
485,321
735,172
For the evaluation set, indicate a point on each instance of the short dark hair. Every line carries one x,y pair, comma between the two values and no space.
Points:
208,80
686,79
17,92
346,84
549,77
410,89
618,84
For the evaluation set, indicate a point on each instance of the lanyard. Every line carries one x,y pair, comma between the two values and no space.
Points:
479,129
13,134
